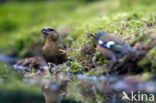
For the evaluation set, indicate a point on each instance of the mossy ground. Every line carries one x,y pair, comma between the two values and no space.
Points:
20,28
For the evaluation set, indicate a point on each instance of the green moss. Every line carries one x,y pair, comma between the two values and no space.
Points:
75,67
148,63
7,72
12,81
132,23
13,85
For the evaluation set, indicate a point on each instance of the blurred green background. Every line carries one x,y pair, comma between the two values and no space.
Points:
22,20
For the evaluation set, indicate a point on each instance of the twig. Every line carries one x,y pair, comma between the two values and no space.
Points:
90,34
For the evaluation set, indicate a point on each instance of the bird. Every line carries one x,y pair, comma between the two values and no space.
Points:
55,92
53,50
113,47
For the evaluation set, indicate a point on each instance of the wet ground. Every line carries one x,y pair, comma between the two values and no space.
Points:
65,87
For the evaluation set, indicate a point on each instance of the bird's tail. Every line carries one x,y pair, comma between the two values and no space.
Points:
137,52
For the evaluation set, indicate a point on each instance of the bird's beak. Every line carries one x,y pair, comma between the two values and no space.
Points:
43,31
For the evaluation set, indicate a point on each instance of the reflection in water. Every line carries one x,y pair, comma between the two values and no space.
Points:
55,92
94,89
85,89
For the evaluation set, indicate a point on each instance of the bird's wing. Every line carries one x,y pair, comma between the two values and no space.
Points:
117,47
111,45
61,49
112,37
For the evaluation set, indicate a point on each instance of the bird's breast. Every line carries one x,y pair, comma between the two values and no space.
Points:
104,51
49,49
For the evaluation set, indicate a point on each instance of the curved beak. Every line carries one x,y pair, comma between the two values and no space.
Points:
44,31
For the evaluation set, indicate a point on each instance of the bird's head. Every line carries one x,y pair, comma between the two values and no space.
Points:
50,33
99,34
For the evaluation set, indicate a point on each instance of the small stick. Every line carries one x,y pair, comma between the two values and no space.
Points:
90,34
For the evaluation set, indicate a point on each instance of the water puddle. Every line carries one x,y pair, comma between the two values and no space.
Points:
7,59
71,88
